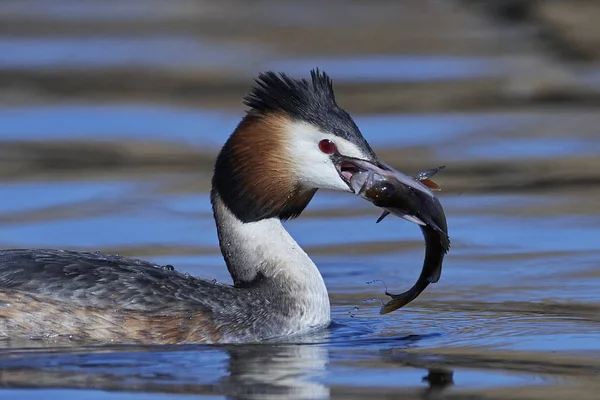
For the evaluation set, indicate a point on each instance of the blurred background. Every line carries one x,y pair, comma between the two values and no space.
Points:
112,112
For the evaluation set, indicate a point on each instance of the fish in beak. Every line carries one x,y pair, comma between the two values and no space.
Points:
411,199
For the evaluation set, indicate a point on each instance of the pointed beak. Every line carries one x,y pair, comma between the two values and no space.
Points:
347,167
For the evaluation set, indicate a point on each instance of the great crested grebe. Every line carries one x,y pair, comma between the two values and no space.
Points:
293,140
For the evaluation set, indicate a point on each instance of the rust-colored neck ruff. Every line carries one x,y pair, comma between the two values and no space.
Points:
254,175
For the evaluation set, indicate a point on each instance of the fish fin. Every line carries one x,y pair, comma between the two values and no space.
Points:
430,184
445,240
429,173
410,218
385,214
413,219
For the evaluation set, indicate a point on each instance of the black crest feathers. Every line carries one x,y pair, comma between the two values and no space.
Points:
295,97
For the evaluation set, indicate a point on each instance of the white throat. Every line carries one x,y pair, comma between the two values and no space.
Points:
266,248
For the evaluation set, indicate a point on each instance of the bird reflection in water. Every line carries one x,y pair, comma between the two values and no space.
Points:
280,371
251,371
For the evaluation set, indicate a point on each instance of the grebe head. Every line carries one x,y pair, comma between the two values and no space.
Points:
294,140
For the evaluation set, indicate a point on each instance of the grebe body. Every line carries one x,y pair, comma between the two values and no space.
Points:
293,140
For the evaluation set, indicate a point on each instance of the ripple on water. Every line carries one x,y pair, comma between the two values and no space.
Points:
531,148
175,51
68,394
107,122
23,197
391,68
463,378
90,10
140,52
489,325
129,228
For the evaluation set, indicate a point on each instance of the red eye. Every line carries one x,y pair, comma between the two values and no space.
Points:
327,146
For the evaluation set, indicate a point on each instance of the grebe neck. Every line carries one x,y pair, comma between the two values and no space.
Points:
263,253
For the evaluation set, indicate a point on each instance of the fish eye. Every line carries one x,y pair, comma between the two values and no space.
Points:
387,187
327,146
